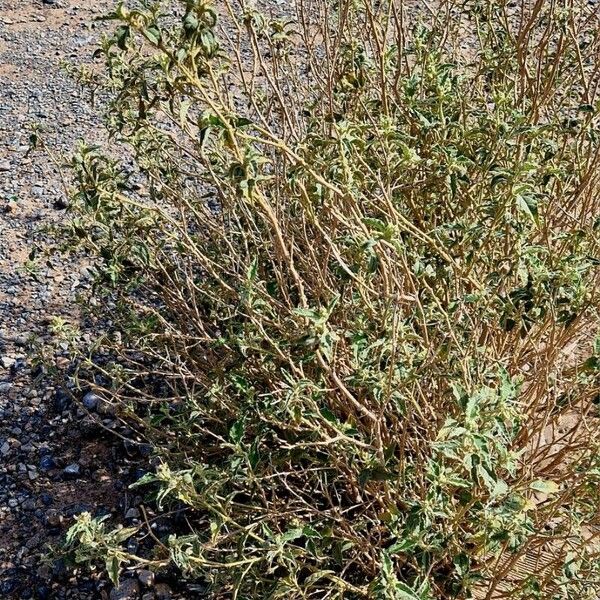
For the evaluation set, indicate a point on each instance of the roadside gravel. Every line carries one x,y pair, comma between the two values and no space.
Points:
54,462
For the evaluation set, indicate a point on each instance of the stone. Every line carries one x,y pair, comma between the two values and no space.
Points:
132,513
106,408
91,400
46,499
129,589
146,578
47,462
61,203
61,401
72,470
4,166
54,518
29,504
22,339
7,362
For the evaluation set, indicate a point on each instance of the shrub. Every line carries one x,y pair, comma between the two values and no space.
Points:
352,288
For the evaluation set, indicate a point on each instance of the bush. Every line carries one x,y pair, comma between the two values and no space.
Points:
352,288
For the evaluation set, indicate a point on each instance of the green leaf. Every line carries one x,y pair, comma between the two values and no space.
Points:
236,433
405,592
402,546
291,535
587,108
113,567
527,205
252,270
544,486
152,33
184,108
313,315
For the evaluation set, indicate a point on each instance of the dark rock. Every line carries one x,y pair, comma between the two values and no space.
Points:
91,400
61,401
29,504
145,450
72,470
132,546
59,570
54,518
132,513
106,408
43,592
129,589
47,462
17,366
61,203
146,578
101,511
138,473
78,508
8,587
46,499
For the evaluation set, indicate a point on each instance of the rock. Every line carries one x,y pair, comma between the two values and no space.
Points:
54,518
23,339
47,462
43,592
132,513
145,450
91,400
146,578
8,587
129,589
29,504
4,166
61,401
11,207
78,508
46,499
72,470
7,362
59,570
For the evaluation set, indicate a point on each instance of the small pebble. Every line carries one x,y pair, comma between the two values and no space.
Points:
72,470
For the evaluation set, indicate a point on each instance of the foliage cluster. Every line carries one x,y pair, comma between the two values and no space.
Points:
352,283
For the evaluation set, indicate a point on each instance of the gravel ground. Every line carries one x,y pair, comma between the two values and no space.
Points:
54,462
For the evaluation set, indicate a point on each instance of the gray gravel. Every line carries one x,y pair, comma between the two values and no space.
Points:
54,463
56,457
